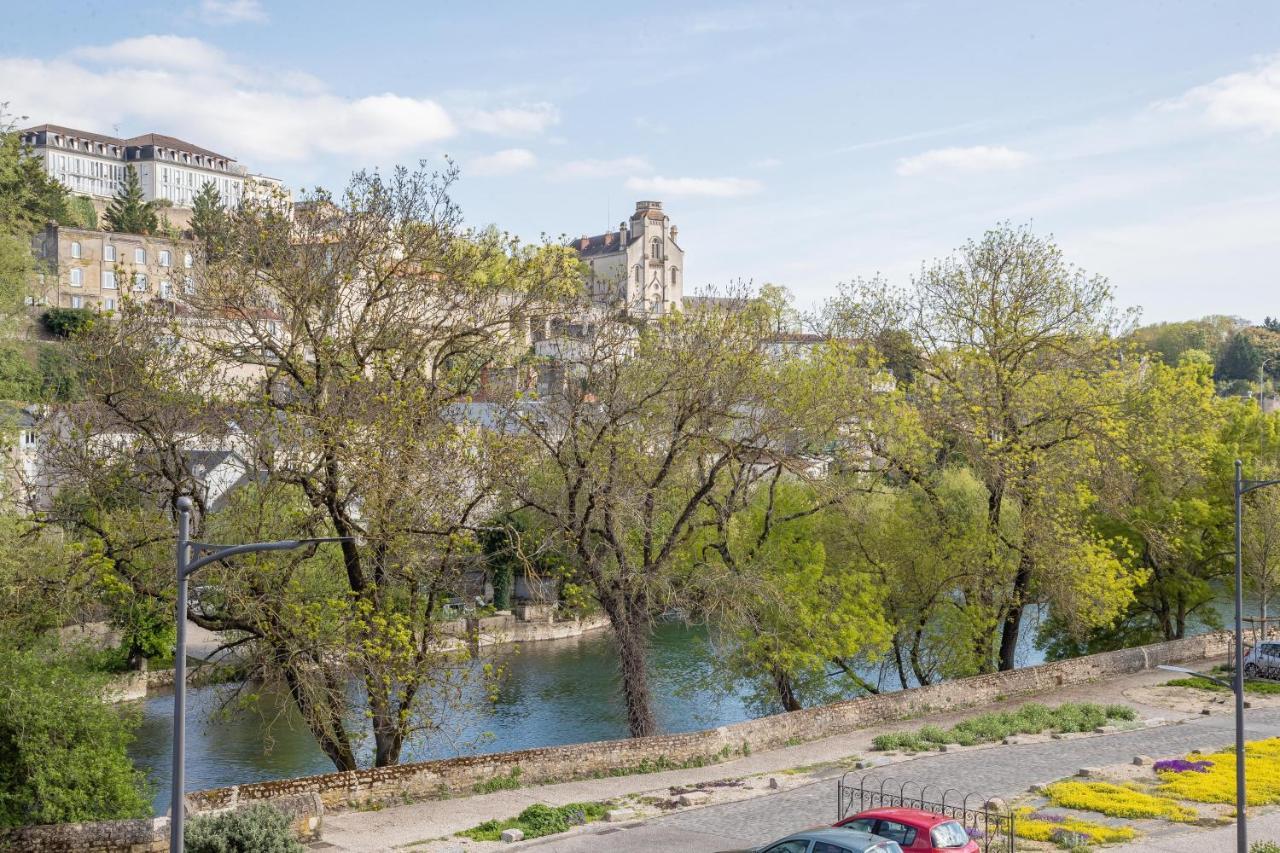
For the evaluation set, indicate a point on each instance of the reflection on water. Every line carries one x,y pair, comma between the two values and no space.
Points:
557,692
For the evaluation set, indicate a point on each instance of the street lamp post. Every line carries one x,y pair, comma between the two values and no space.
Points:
188,562
1242,488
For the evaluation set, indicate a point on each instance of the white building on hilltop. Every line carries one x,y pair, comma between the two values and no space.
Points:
640,267
94,165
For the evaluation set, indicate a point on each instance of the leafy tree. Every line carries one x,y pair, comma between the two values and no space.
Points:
1271,324
1171,340
209,221
128,213
81,213
18,379
1240,359
514,547
63,750
29,197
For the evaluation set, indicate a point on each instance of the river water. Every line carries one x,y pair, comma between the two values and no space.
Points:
554,692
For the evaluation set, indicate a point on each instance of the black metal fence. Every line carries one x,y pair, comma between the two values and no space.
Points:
991,825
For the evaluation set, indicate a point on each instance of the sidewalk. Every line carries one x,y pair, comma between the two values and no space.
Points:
396,827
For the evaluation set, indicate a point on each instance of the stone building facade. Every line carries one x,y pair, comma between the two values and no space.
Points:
640,267
80,268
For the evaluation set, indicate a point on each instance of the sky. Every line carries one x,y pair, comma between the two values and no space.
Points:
797,143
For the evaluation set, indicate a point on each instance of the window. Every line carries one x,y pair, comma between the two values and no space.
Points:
824,847
188,285
109,303
139,281
108,252
164,257
75,249
139,256
29,437
673,275
862,824
894,831
794,846
655,248
166,289
108,280
77,302
186,260
639,274
77,277
949,834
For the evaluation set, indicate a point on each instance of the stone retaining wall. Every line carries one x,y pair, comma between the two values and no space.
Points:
440,778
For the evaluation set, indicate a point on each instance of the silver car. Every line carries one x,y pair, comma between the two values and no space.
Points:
828,840
1263,661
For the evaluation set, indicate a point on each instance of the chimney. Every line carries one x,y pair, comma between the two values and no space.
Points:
583,242
623,236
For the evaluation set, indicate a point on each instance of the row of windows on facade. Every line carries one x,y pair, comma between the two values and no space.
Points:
640,274
139,255
139,282
107,149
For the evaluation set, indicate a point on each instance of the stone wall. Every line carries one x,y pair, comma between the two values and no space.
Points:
454,775
305,813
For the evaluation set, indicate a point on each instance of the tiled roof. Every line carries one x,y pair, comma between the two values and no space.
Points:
173,142
79,134
600,244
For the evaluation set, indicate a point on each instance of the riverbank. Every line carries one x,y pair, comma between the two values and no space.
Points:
750,799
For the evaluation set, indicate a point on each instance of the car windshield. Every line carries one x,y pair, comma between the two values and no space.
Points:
949,834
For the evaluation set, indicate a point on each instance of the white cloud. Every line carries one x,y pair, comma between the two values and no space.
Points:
232,11
603,168
978,158
175,52
257,116
715,187
505,162
513,121
1247,100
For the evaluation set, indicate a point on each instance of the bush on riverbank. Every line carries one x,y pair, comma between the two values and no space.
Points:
259,828
1031,718
539,820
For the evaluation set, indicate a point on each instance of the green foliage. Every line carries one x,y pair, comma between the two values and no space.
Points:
514,547
128,213
66,322
81,213
500,783
1240,359
210,224
1031,718
1264,847
538,820
1173,341
18,379
29,197
63,750
1256,686
259,828
59,375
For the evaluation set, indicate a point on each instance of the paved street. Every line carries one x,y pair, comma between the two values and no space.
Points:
1002,771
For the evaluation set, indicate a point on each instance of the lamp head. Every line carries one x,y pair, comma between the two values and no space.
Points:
185,504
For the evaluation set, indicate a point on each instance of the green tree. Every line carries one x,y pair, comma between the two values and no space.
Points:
63,750
81,213
128,213
209,221
1239,359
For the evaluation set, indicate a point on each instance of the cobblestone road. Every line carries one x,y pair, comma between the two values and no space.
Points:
1002,771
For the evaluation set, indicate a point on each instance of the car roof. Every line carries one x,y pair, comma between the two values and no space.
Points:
835,835
919,817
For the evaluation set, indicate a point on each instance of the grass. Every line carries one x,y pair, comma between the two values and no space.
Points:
1218,783
1033,826
539,820
1117,801
500,783
1031,718
1257,687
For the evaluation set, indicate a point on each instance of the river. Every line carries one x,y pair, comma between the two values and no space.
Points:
554,692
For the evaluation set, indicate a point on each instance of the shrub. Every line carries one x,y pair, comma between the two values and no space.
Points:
1264,847
539,820
1116,801
1031,718
63,752
500,783
66,322
260,828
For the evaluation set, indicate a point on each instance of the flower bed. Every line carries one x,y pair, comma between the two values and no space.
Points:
1217,783
1117,801
1182,765
1039,826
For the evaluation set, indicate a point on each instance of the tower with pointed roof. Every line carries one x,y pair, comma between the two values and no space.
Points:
640,267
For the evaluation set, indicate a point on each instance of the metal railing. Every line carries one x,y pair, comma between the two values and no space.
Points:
992,827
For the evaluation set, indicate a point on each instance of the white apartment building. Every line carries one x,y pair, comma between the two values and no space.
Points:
94,165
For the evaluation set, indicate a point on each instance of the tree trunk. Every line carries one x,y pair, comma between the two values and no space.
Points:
1012,630
633,656
786,691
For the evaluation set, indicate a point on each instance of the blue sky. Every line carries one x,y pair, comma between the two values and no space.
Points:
800,143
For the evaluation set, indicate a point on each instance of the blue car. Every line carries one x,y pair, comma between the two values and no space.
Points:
829,840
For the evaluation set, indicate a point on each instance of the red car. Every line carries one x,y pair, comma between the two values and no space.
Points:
915,831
